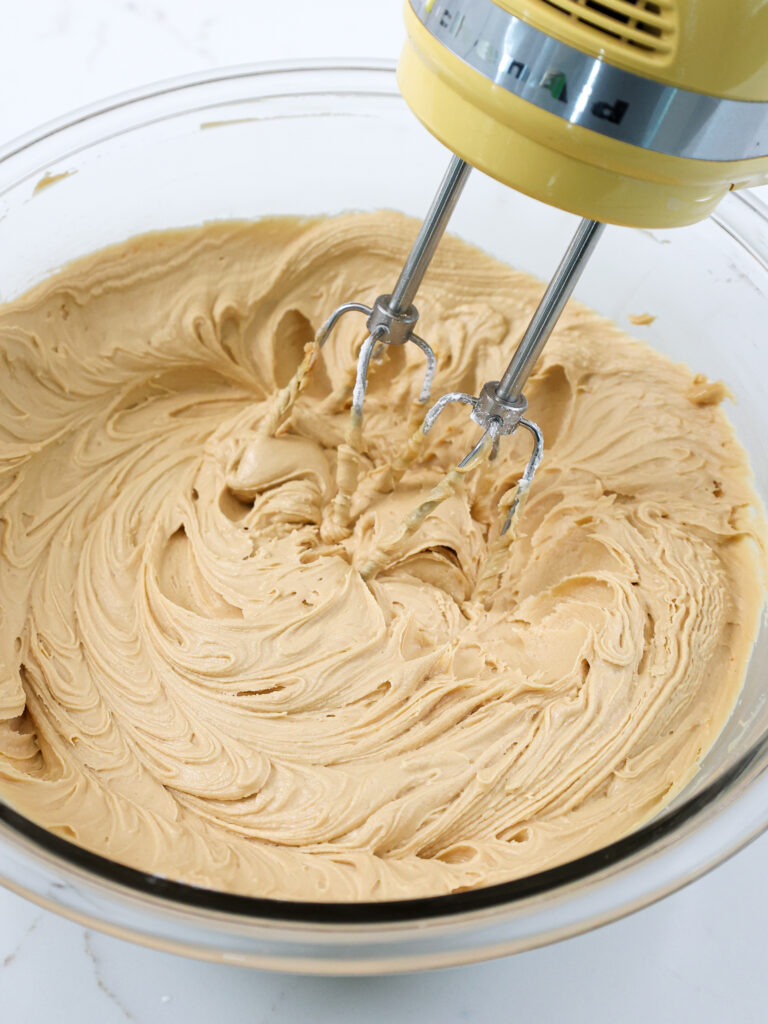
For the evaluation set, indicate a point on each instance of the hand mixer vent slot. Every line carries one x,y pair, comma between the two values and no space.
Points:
642,27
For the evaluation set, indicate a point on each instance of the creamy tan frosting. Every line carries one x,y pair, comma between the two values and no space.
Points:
194,682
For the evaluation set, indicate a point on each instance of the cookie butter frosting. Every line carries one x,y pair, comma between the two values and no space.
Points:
193,681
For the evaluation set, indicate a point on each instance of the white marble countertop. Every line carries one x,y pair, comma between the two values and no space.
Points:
698,955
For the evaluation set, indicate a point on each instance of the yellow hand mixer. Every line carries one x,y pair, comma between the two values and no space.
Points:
634,112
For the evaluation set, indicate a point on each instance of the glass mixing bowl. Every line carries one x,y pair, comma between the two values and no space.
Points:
322,138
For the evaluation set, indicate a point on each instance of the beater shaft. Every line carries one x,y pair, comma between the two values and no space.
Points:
553,302
431,231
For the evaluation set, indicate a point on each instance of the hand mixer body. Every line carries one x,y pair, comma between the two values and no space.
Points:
635,112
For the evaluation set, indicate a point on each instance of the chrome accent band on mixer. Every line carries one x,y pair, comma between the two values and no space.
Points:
588,92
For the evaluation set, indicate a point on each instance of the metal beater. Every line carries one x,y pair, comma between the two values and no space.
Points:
501,405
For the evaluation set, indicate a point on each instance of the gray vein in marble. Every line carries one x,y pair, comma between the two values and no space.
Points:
8,960
99,976
197,45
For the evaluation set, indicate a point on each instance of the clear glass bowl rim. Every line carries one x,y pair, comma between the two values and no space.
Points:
604,862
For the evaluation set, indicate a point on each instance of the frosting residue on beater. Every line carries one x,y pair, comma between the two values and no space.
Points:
193,681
